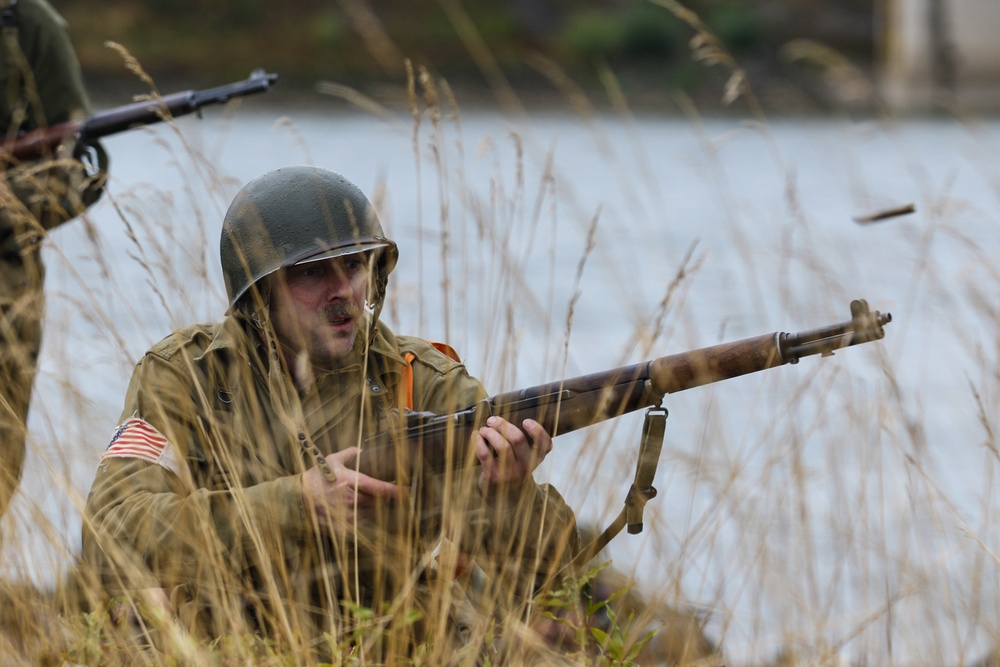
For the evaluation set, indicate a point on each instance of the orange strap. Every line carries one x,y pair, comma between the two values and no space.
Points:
406,386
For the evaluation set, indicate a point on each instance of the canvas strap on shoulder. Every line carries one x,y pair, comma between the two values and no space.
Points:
642,488
406,385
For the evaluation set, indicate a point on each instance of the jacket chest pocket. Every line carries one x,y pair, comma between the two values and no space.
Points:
228,457
335,422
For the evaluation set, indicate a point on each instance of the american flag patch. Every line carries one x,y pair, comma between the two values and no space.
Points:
137,439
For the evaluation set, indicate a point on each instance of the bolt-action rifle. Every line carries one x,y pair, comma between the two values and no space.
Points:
432,443
437,443
43,142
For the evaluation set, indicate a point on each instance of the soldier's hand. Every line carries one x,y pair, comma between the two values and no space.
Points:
508,455
353,495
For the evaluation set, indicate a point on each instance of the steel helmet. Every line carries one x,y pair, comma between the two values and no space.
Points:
299,214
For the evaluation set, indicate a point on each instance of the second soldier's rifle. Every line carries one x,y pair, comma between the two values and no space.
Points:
43,142
438,443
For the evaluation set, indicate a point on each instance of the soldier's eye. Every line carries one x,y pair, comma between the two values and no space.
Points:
306,273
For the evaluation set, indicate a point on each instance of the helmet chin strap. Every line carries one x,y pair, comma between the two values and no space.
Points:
379,285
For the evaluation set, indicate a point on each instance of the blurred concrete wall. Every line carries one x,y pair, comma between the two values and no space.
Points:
939,52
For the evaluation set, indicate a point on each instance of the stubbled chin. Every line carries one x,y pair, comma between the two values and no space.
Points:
340,343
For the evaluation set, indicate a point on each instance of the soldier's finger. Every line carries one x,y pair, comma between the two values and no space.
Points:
376,488
542,441
520,445
510,432
485,454
499,445
344,456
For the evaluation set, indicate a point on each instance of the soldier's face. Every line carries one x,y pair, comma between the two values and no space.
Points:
318,307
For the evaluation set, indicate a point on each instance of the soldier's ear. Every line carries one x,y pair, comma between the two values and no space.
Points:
256,301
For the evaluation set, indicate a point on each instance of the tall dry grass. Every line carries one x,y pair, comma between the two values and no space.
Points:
64,615
820,530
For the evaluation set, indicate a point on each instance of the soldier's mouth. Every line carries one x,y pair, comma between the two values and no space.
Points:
340,315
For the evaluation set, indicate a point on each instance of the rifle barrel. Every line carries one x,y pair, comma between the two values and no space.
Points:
259,82
136,114
728,360
170,106
864,326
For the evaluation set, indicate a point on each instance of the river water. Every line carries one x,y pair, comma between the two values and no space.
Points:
843,504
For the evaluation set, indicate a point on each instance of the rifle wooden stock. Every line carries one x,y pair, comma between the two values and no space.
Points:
41,143
437,443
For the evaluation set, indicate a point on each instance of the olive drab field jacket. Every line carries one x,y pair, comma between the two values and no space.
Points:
40,85
199,489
